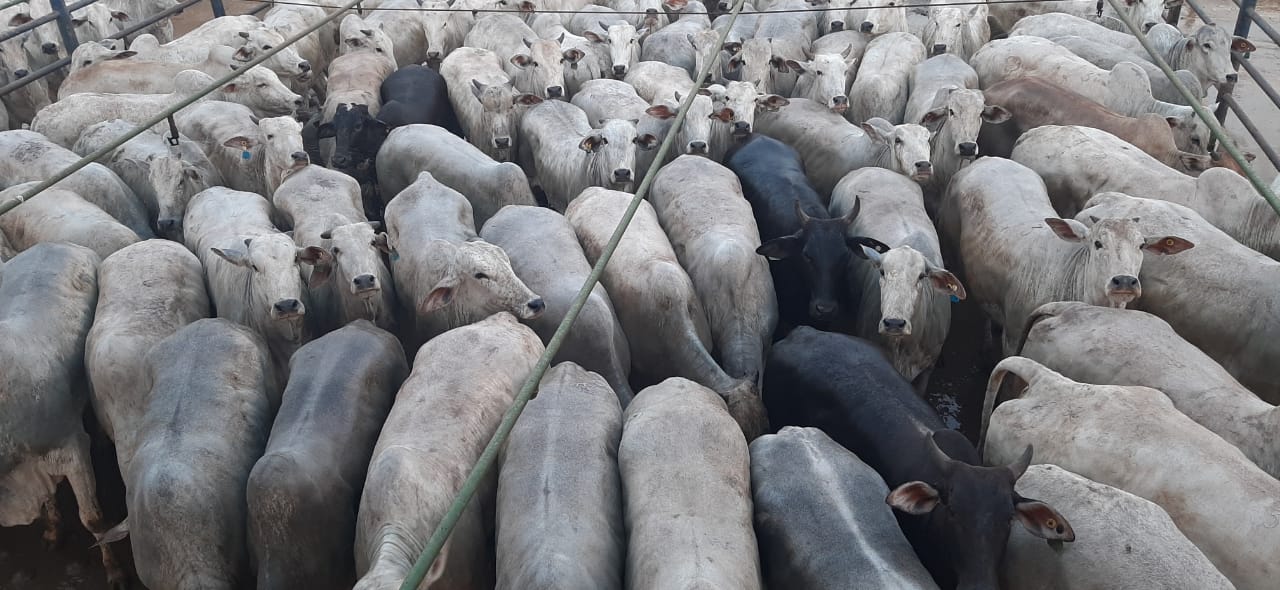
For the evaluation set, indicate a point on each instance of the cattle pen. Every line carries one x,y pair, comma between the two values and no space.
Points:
1248,21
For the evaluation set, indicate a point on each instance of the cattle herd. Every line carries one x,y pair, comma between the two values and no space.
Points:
300,309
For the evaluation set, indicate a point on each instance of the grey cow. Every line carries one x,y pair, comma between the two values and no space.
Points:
657,302
821,517
46,309
545,255
205,426
559,517
303,492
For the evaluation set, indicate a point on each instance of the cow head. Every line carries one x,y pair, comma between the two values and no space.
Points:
906,275
884,16
1110,257
287,63
957,117
357,135
1147,13
945,30
358,35
695,135
907,146
824,78
497,104
611,153
1190,134
542,67
176,181
479,277
261,90
624,45
88,54
741,99
834,20
358,270
284,152
971,509
444,29
821,248
752,62
1207,55
274,287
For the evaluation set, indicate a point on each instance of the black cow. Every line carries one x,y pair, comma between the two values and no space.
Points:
357,136
956,513
809,247
417,94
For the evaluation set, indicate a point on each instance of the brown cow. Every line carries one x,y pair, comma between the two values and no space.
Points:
1035,102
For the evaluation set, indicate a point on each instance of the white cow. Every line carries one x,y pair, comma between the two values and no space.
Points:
461,383
318,48
408,38
1143,13
568,156
253,269
884,76
146,292
24,102
657,303
443,29
486,101
623,41
675,43
535,65
487,184
831,147
1079,162
878,17
140,10
1199,386
247,34
59,215
444,273
824,79
1134,439
1016,255
686,483
559,504
228,134
656,82
906,293
163,176
1224,264
959,30
737,110
1123,539
700,205
26,156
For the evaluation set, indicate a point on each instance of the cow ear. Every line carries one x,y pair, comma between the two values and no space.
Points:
795,66
647,141
946,283
234,256
232,87
934,119
477,88
120,16
772,102
913,497
326,130
380,242
440,295
243,34
875,132
1068,229
592,37
778,64
1166,245
520,60
573,56
995,114
1173,122
1242,45
79,21
733,47
865,252
660,111
1042,520
724,115
780,248
857,243
315,256
241,142
526,99
20,19
1194,162
244,54
592,143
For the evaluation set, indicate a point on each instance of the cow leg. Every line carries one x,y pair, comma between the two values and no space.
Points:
52,522
79,473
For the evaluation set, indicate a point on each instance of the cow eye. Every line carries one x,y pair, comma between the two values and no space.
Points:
336,251
481,276
923,276
1097,245
882,272
951,113
266,48
1195,140
254,267
897,140
262,85
1208,46
820,72
270,137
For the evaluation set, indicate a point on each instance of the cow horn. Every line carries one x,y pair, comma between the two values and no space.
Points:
1019,466
853,212
801,215
528,43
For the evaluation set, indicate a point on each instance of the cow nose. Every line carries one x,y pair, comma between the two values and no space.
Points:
300,157
365,283
741,128
502,142
723,6
924,166
837,26
939,49
1124,283
619,70
1231,78
433,55
1147,26
297,103
867,26
822,309
968,148
894,325
555,92
20,73
49,48
169,226
288,307
536,306
341,160
305,66
697,147
840,101
622,175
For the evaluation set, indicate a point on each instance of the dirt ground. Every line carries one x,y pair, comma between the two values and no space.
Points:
956,387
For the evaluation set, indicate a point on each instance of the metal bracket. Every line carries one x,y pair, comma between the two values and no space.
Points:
173,132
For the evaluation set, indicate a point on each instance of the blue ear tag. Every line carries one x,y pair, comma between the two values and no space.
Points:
246,155
395,255
955,299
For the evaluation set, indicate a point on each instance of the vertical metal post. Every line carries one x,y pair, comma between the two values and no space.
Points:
218,10
1243,22
65,28
1174,13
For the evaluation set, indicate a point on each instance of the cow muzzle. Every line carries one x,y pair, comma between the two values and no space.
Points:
49,48
839,104
365,285
697,147
502,143
938,49
741,129
967,149
924,171
621,176
619,71
837,26
555,92
1122,290
287,309
170,227
532,309
867,27
822,310
895,327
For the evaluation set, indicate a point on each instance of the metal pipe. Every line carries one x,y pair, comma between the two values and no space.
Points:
1262,23
1175,13
490,454
34,191
48,18
1259,78
218,9
1204,16
1253,130
1242,18
65,28
33,76
1215,127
